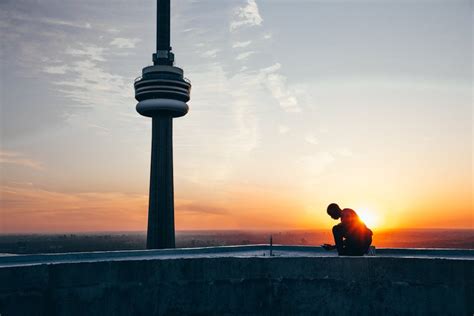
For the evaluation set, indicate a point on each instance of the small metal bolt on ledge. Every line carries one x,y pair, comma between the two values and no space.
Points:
271,245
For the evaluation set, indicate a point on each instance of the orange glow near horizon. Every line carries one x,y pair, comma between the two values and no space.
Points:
29,210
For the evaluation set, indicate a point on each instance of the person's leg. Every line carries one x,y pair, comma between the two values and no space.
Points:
354,248
338,233
357,243
367,244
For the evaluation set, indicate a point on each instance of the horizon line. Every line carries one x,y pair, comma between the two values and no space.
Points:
228,230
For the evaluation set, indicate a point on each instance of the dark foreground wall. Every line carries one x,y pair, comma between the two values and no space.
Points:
242,286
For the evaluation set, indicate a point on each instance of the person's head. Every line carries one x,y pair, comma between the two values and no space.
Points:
334,211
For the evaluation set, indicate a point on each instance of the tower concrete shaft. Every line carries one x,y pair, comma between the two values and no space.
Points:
161,204
162,92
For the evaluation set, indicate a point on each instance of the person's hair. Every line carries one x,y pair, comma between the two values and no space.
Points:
334,210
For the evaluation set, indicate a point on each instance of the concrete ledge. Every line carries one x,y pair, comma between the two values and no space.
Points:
226,251
200,283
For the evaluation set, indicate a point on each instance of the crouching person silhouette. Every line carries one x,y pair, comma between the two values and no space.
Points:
351,235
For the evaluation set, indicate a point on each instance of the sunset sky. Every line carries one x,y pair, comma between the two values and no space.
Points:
294,105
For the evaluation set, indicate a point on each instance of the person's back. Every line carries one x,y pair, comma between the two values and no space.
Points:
357,237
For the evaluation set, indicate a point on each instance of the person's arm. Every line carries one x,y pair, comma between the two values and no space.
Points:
328,246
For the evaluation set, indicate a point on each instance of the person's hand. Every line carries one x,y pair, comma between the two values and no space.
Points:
328,246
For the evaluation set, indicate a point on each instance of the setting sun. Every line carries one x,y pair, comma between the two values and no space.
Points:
370,218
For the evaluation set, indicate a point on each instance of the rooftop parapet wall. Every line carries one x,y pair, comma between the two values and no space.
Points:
236,285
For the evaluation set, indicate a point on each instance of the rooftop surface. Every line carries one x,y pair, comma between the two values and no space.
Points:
226,251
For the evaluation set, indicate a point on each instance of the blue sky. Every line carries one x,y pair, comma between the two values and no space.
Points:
294,104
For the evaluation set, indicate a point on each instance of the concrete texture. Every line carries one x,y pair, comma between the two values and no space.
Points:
239,285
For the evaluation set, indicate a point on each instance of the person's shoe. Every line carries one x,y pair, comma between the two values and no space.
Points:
371,251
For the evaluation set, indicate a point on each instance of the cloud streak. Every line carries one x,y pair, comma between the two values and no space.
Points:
121,42
276,83
90,84
241,44
244,55
246,16
194,207
18,159
311,139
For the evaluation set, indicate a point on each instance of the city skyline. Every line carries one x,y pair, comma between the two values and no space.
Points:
293,107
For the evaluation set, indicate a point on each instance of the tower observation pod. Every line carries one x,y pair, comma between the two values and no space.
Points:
162,93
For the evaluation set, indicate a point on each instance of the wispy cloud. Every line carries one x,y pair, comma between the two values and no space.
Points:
244,55
19,159
247,15
212,53
311,139
230,78
276,84
52,21
56,70
241,44
16,17
122,42
73,52
90,83
193,207
214,86
71,58
91,52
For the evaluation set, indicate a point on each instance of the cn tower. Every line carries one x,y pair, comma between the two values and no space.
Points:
162,93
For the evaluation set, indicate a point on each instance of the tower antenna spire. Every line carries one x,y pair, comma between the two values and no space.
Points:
163,55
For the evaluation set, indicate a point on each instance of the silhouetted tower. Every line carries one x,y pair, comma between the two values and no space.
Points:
162,92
